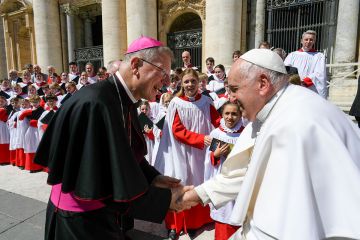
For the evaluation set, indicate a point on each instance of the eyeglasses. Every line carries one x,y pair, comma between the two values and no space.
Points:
165,75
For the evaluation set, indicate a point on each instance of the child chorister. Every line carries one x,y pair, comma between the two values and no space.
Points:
148,130
227,133
4,132
190,119
31,138
159,120
21,126
51,102
12,120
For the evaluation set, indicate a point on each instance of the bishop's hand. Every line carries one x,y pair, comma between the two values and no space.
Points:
166,182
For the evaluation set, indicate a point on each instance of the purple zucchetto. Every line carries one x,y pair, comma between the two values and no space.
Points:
143,43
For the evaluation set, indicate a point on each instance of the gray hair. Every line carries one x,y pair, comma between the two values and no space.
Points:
149,54
311,32
252,69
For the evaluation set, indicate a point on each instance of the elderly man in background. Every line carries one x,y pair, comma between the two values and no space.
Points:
37,71
310,64
295,169
186,58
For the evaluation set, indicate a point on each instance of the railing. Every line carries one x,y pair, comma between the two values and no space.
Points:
337,81
89,54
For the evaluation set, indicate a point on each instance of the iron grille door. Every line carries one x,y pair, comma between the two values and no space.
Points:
288,19
93,55
191,41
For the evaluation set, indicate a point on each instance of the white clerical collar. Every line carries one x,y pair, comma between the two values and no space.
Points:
131,96
264,112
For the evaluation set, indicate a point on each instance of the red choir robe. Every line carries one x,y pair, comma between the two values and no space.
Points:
4,137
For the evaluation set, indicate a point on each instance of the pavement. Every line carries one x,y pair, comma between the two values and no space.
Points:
23,200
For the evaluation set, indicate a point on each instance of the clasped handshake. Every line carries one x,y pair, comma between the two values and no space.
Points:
182,197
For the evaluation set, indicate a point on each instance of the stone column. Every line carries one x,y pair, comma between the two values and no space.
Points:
114,29
70,21
64,40
88,32
141,16
3,67
343,84
222,30
47,33
70,12
259,23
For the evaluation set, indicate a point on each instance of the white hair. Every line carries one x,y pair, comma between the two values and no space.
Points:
311,32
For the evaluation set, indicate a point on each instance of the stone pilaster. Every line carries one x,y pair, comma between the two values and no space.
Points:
222,30
114,29
3,66
47,33
141,16
343,84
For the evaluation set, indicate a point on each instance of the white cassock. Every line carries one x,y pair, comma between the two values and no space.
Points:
301,181
229,136
311,65
175,158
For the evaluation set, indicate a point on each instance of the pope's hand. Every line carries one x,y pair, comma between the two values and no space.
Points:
177,203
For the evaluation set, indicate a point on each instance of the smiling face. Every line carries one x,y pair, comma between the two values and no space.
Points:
219,73
150,78
231,115
246,86
190,85
308,41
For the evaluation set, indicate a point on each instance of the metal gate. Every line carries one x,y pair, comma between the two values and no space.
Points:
93,55
191,41
288,19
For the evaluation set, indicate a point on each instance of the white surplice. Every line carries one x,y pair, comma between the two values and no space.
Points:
177,159
311,65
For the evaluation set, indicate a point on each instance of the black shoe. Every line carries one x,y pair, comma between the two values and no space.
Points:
36,171
192,233
173,235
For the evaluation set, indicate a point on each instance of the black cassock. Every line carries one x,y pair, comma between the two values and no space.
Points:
86,147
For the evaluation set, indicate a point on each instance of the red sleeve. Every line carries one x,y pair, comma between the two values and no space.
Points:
33,123
24,114
185,136
150,135
3,115
42,103
44,127
215,116
214,161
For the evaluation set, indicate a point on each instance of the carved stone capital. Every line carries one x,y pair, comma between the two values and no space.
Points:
69,9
